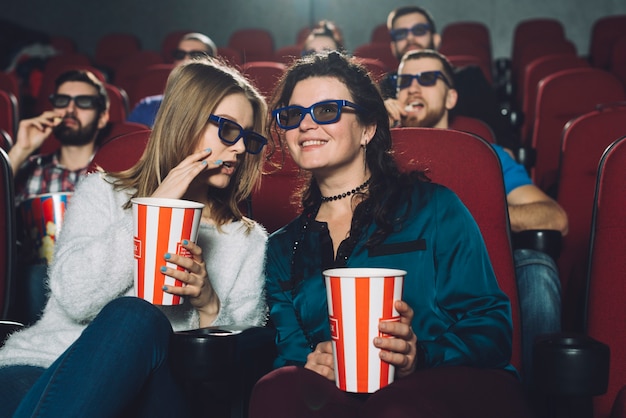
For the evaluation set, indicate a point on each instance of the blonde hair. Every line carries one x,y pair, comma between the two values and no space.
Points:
192,93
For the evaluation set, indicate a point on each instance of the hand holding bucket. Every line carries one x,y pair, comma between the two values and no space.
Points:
358,299
160,226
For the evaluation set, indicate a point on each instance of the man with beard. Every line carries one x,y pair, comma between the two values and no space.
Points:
426,94
80,110
413,28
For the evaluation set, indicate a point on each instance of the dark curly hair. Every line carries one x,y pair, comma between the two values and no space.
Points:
388,186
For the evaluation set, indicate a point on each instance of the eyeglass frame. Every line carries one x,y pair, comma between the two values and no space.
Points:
418,77
243,133
193,54
309,111
96,101
419,29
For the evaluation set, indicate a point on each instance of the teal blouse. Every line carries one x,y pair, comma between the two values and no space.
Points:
461,315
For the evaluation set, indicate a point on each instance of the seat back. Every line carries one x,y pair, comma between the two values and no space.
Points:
461,46
112,48
288,53
118,103
617,66
380,34
274,204
459,61
538,49
254,44
562,96
476,32
376,67
534,72
380,51
584,140
604,32
473,126
534,29
130,68
9,113
9,83
606,309
151,82
264,75
469,166
8,250
230,55
121,152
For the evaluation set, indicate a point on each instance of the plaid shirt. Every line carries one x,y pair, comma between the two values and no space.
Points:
44,174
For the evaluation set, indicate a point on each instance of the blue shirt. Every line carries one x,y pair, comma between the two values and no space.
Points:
514,173
461,315
146,110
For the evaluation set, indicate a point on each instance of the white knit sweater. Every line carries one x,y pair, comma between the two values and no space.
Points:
93,264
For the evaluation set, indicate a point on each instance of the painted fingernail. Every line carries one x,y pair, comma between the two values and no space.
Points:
218,162
208,150
185,242
163,269
164,288
204,162
168,256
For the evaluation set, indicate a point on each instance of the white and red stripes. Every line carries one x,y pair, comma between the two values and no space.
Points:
358,299
160,228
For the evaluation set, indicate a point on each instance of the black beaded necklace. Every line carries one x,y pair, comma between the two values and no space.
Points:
346,194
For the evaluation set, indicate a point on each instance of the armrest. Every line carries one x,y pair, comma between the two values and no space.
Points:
549,241
218,366
570,365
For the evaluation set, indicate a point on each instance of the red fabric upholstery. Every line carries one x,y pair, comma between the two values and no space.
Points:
534,29
538,49
376,67
459,61
254,44
230,55
563,96
129,69
121,152
534,72
287,54
607,275
473,126
617,65
264,74
380,33
604,32
380,51
7,233
584,140
476,32
151,82
8,82
464,47
112,48
118,103
469,167
9,113
274,204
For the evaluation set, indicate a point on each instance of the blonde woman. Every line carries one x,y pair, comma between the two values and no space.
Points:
97,352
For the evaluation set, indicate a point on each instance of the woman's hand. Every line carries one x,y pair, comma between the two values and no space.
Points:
400,347
321,360
395,111
196,285
177,181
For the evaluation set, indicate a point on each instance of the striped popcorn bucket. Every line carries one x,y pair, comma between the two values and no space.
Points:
160,226
358,299
42,219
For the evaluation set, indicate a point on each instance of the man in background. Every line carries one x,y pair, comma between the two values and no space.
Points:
192,45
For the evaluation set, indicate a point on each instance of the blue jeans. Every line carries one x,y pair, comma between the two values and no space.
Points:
118,367
539,291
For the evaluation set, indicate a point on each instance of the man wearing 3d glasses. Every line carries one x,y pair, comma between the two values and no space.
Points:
413,28
191,46
80,110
